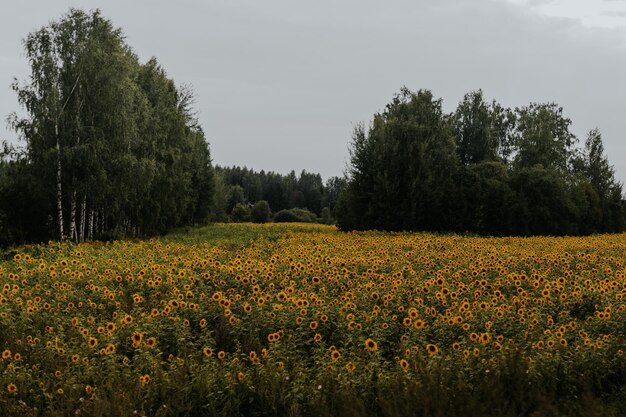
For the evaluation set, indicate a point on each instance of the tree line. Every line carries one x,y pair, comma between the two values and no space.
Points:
112,146
481,169
237,188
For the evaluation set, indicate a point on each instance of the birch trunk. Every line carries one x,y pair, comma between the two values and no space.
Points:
91,216
59,189
73,232
81,235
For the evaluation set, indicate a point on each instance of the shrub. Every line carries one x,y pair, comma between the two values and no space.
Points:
295,215
240,213
260,212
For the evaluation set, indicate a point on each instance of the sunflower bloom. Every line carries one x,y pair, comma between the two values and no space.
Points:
371,345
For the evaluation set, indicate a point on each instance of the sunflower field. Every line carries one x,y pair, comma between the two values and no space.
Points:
303,320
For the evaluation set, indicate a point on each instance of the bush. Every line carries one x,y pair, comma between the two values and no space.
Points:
260,212
295,215
240,213
326,217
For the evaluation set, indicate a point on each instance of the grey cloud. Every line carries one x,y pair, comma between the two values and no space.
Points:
618,14
281,83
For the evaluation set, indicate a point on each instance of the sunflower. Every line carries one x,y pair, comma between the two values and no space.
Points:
144,379
92,342
419,324
12,388
207,351
254,358
371,345
404,364
136,338
432,349
221,354
335,355
6,354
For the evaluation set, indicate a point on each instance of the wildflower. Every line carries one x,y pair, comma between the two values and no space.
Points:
419,324
136,338
92,342
144,379
371,345
432,349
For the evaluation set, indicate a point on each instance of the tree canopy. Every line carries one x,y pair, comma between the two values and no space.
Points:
483,169
112,145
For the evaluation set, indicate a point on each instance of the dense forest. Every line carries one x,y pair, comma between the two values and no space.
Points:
482,169
113,148
238,188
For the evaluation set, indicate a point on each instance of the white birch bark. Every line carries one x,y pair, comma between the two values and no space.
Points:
59,189
73,235
81,234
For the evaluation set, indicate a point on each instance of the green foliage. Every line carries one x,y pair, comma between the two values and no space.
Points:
115,144
543,137
295,215
326,217
476,137
260,212
219,209
483,169
240,213
280,191
402,169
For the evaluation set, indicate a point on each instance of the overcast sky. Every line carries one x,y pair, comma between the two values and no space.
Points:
281,83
